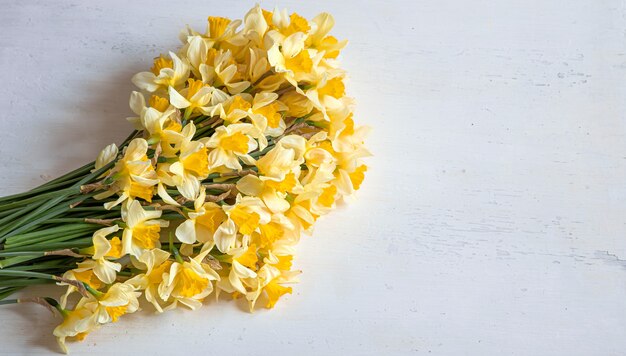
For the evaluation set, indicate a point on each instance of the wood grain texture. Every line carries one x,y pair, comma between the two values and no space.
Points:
492,220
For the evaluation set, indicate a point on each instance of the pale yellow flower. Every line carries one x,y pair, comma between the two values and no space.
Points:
155,263
232,109
221,70
104,249
188,282
319,39
285,157
142,230
76,325
91,312
134,175
289,56
243,263
266,115
244,217
230,144
271,277
196,96
106,156
272,191
119,299
164,74
202,223
191,164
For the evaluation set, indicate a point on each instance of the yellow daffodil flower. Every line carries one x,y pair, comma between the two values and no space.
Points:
164,74
272,191
319,39
275,272
135,176
76,325
188,282
190,166
155,263
230,144
196,96
266,116
221,70
243,263
104,269
232,109
106,156
285,157
119,299
142,228
202,222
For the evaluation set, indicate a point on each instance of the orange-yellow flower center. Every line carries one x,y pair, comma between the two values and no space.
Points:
116,248
246,221
334,87
194,87
274,292
327,198
328,43
271,114
212,218
140,191
172,126
357,176
284,262
238,103
300,62
146,236
160,63
116,312
285,185
269,233
190,283
236,142
249,258
210,57
156,275
267,15
197,163
158,103
297,24
81,336
88,277
217,26
349,128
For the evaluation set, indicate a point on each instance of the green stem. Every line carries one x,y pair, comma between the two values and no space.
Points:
33,219
62,229
59,264
77,243
22,282
5,292
93,292
38,216
22,202
27,274
22,253
46,239
261,153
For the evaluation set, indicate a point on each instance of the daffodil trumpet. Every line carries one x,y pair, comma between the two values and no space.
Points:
243,137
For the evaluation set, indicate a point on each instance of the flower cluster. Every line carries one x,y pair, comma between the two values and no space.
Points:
244,137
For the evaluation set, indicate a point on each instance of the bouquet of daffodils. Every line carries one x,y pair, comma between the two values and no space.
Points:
243,138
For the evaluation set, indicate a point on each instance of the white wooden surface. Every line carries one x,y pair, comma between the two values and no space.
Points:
492,220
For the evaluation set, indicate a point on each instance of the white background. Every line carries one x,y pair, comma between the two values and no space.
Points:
491,222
